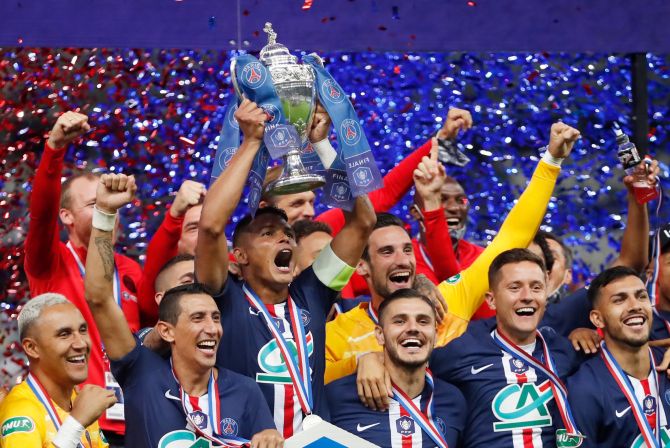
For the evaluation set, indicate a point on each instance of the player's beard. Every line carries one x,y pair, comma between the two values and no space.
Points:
406,365
621,338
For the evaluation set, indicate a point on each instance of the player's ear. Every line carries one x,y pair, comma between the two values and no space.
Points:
490,299
30,348
241,256
159,297
166,331
597,319
66,217
379,334
363,268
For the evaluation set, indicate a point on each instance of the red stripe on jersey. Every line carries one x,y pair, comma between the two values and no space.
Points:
407,439
647,391
528,438
288,411
195,402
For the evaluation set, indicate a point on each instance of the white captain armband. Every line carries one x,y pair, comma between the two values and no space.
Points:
325,151
69,434
331,270
551,160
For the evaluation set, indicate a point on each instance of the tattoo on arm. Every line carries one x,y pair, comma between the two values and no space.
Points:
106,251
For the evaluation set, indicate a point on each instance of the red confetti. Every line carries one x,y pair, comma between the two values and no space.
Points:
534,74
471,3
307,5
587,89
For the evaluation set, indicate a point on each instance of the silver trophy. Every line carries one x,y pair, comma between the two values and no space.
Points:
294,84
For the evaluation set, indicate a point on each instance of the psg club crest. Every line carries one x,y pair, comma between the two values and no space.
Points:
405,426
273,113
330,90
517,366
649,405
440,425
350,131
200,419
253,75
229,426
231,118
225,156
305,317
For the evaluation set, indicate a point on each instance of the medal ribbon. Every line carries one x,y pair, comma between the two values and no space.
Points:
43,397
213,416
653,284
424,420
558,389
372,314
116,285
298,368
652,437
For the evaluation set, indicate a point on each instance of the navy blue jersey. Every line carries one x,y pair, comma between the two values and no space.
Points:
570,313
154,412
602,412
660,326
248,347
395,428
510,403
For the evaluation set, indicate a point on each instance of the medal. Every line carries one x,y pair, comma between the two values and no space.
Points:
310,421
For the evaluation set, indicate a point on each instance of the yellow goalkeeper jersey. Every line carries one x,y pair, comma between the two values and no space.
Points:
352,333
24,422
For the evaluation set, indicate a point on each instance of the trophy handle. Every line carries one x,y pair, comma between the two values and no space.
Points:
233,77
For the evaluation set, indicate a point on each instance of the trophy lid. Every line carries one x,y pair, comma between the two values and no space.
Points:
274,53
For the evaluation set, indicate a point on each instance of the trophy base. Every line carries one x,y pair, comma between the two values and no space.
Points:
296,184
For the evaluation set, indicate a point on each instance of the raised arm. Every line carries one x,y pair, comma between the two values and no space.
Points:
42,239
211,253
634,251
114,191
348,245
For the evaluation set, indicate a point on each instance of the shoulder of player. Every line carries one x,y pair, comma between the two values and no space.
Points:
342,388
229,379
20,402
447,394
354,317
127,264
588,379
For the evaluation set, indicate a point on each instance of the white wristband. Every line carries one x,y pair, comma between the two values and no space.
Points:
551,160
325,151
69,433
103,221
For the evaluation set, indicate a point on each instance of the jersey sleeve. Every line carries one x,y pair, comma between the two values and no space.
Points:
443,361
438,245
129,367
162,248
22,424
586,404
464,292
258,412
43,238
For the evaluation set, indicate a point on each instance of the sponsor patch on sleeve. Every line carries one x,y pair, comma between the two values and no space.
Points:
16,425
454,279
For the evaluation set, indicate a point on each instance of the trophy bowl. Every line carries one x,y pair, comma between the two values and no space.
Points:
294,84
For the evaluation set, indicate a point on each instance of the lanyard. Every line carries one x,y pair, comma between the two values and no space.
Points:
116,286
424,420
653,285
298,368
43,397
549,369
213,416
373,314
652,437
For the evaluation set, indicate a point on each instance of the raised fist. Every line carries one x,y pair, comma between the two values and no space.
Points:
251,119
561,140
320,124
114,191
90,403
68,127
190,193
457,120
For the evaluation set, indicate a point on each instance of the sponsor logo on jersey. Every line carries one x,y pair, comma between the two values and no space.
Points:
229,426
522,406
565,440
361,428
183,439
272,363
404,426
17,424
640,443
454,279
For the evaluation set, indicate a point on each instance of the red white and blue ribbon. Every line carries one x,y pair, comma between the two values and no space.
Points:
43,397
652,436
423,419
372,314
213,416
116,285
298,368
653,283
558,389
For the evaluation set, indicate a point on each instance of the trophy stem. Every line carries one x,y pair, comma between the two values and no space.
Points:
295,178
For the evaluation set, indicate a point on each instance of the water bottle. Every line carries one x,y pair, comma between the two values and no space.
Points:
630,159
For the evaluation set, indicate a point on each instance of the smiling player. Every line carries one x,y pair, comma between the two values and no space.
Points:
425,412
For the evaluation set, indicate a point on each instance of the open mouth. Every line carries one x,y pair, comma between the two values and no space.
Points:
207,346
526,311
77,360
635,321
283,260
454,223
400,278
411,344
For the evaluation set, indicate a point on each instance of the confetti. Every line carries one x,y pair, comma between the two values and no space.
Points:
157,114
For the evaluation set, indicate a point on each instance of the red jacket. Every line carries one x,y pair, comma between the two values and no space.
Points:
51,267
